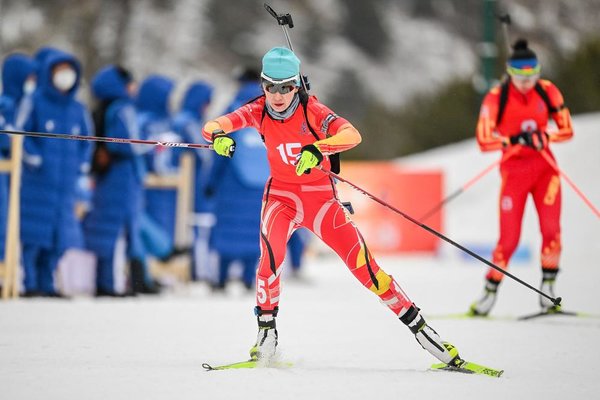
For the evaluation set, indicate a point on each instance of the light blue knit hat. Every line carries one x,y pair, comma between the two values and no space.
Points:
280,64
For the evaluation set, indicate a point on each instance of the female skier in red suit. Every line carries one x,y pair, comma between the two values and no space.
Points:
514,118
300,134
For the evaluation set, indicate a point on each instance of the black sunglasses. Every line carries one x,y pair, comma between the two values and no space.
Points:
283,88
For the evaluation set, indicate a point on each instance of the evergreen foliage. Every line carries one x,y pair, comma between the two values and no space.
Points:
426,121
577,74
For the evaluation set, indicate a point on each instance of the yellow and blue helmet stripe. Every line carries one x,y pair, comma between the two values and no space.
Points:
524,67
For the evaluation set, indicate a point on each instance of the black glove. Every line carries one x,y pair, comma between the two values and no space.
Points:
537,140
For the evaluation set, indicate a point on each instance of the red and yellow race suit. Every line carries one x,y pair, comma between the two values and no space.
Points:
309,201
524,169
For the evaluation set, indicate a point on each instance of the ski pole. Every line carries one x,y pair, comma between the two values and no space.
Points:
106,139
467,185
285,20
550,161
556,301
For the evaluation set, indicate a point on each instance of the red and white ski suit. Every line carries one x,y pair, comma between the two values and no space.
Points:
309,201
524,170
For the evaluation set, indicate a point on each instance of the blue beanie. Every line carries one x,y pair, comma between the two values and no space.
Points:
280,63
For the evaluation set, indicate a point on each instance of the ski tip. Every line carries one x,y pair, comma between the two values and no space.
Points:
237,365
252,363
207,367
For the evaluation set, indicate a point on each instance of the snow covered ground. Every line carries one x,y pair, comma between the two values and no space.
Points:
344,344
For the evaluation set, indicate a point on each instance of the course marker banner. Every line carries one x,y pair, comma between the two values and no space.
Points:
415,192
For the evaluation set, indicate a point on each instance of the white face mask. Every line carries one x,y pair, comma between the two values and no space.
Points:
29,86
64,79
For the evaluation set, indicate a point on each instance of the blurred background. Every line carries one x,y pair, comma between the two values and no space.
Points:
410,74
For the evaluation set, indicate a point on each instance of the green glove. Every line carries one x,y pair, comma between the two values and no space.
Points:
310,157
223,144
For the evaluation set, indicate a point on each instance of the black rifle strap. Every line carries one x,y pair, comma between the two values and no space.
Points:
503,100
540,91
544,95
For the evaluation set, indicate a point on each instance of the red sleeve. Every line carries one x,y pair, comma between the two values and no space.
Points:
561,116
487,137
339,134
248,115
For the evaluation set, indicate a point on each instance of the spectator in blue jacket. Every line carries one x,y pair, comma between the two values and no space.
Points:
188,123
18,76
51,170
237,185
118,171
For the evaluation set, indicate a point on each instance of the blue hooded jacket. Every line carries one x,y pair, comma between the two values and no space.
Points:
52,166
118,196
188,124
